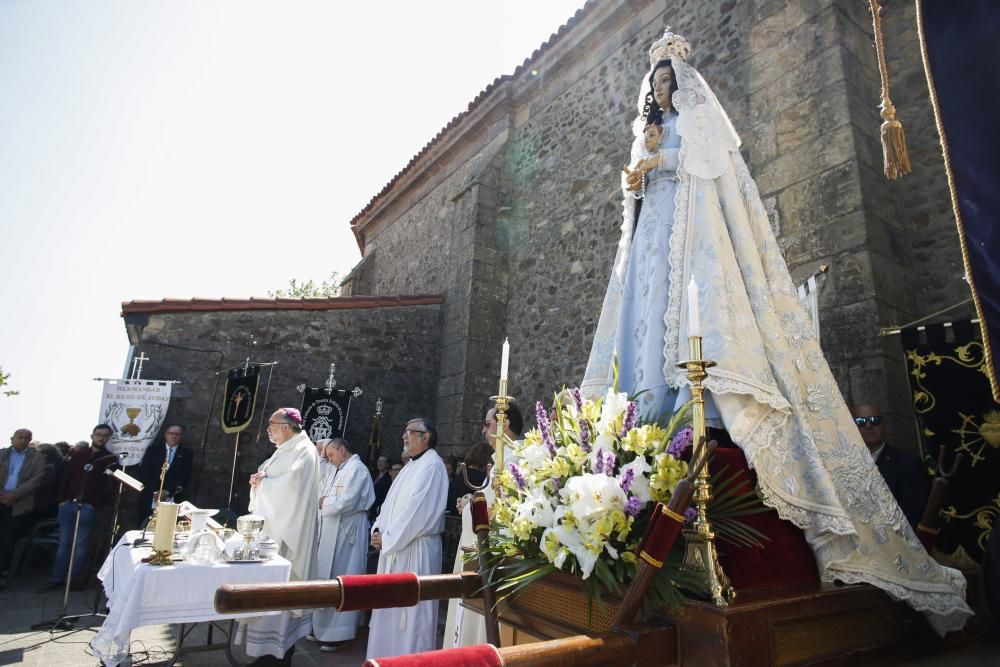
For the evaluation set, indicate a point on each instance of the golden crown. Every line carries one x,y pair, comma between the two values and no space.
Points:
671,46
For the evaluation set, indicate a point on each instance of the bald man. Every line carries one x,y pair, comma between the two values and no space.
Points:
21,473
903,472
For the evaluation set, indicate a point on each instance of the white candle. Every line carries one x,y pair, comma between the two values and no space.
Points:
166,518
505,360
694,326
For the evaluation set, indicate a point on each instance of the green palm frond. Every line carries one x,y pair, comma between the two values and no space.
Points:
732,499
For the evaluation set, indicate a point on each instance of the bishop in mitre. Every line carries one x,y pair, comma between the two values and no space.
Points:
344,502
283,492
407,534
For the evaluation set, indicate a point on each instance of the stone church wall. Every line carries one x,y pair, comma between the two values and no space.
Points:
391,352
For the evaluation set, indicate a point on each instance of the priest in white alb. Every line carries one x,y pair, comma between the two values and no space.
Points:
407,534
283,492
343,537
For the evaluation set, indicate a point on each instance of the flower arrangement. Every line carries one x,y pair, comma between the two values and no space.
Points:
579,492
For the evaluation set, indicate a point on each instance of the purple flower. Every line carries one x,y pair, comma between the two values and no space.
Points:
584,436
599,461
689,514
631,417
543,426
633,505
577,398
518,476
627,479
609,464
680,442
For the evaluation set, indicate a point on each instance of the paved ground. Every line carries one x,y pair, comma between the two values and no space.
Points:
20,607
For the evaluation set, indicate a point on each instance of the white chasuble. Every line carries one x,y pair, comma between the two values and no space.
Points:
343,541
410,523
286,498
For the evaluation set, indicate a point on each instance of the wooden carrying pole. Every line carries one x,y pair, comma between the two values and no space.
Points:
579,651
241,598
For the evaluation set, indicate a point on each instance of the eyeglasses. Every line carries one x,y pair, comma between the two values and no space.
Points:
277,424
874,420
174,433
413,430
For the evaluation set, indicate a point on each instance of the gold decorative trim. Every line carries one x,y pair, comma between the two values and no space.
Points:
928,530
679,518
990,371
343,594
649,559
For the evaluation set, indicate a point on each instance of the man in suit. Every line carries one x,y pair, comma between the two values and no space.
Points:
181,462
903,472
21,472
381,480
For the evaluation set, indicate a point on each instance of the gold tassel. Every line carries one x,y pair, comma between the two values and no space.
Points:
894,154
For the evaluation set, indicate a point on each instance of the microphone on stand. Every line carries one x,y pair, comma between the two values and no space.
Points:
90,466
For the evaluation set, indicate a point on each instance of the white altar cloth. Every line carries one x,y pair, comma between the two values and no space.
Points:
140,594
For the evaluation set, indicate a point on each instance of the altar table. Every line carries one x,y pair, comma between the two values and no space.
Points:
140,594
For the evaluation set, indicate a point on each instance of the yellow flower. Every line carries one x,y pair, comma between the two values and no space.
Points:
635,440
591,411
576,455
667,472
629,557
532,437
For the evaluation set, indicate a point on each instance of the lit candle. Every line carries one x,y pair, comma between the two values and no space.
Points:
504,360
694,326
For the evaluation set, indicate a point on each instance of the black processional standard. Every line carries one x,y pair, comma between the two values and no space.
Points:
325,409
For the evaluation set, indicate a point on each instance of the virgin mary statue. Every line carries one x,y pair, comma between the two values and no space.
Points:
692,209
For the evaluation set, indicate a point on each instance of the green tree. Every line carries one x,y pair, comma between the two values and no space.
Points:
3,383
297,290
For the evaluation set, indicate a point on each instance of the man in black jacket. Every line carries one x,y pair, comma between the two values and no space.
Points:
903,472
178,474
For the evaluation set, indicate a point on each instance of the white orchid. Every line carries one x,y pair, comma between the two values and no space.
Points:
640,478
612,410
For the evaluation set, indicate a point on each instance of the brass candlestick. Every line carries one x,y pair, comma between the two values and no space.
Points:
700,556
503,402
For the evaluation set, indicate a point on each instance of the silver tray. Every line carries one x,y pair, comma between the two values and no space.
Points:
245,560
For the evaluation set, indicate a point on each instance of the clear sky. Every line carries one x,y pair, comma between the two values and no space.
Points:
147,146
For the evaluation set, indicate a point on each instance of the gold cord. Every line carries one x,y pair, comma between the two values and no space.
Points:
895,157
984,331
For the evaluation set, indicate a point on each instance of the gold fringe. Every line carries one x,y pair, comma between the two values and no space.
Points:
895,157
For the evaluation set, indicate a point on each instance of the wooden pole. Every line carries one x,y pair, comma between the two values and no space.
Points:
240,598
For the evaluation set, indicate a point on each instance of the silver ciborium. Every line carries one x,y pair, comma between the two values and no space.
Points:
249,526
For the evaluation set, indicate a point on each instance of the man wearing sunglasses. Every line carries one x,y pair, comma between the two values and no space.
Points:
903,472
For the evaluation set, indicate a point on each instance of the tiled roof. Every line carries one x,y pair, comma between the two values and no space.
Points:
563,30
321,303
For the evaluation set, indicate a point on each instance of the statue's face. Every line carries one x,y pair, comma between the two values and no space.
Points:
652,137
662,79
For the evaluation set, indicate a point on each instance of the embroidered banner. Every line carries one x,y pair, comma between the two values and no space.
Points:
240,398
955,409
135,410
324,413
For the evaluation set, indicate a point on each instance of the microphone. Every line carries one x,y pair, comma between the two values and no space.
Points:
90,466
